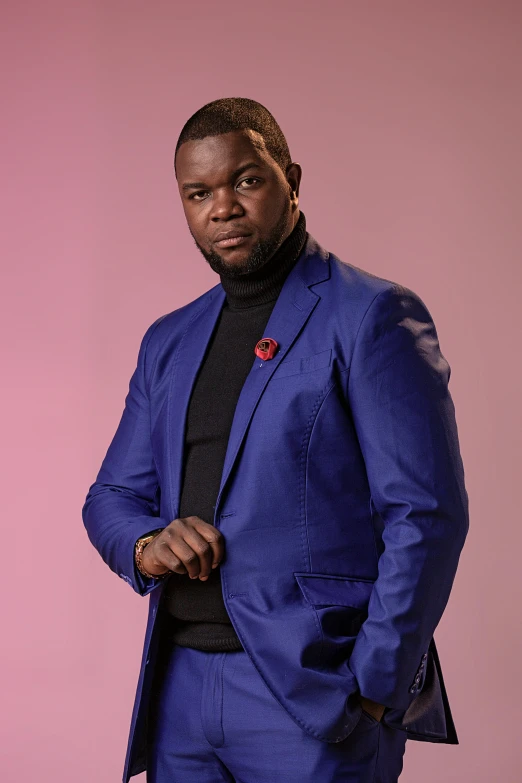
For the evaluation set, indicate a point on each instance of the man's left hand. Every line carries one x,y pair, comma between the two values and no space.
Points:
375,709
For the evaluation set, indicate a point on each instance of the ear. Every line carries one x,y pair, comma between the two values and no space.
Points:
293,176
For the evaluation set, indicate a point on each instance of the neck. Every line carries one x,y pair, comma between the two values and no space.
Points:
264,285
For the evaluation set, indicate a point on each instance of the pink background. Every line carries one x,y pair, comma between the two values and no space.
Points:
406,119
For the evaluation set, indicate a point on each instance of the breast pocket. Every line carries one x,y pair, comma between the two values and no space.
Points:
316,361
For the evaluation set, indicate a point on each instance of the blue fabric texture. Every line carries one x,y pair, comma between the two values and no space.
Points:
214,719
342,500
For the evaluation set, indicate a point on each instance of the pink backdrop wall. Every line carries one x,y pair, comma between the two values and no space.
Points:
406,119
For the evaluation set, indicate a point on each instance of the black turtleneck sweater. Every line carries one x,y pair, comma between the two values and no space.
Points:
195,610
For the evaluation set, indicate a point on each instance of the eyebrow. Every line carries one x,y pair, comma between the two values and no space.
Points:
236,173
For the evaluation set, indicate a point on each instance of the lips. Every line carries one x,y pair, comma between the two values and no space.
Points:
231,238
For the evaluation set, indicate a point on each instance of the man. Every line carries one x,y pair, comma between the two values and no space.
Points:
286,484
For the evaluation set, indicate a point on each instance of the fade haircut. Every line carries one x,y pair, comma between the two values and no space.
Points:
231,114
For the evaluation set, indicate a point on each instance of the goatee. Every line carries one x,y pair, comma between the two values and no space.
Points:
261,252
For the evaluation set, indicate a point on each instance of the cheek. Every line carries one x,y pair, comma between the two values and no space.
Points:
196,224
269,210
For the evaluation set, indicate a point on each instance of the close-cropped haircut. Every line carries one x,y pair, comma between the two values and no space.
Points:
230,114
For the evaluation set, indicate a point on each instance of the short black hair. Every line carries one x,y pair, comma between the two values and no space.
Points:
230,114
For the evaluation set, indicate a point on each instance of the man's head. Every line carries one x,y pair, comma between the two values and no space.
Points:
236,177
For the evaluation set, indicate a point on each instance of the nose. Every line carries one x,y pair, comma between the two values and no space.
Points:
225,205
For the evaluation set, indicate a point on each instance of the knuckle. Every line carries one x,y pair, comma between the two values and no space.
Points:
202,547
214,536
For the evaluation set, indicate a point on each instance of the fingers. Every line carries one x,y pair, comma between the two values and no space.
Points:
213,537
190,546
202,553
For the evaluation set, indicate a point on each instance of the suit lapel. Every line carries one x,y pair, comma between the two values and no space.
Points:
189,357
290,313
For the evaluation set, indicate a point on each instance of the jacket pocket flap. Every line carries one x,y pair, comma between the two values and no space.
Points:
306,364
328,590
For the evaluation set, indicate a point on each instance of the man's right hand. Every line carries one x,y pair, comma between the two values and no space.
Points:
187,546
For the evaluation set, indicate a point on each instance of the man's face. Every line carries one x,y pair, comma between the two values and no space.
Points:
231,186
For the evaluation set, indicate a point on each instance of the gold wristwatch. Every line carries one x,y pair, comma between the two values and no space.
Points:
140,545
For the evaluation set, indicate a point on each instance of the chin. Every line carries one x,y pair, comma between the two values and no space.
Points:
233,258
236,266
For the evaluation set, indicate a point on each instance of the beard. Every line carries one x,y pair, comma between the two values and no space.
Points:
261,252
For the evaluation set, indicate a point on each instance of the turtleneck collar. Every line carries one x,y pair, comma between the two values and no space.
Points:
264,285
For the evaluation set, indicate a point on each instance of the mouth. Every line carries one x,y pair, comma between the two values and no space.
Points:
232,241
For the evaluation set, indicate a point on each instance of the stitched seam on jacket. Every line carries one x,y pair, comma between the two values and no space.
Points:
147,384
370,502
379,734
306,726
152,328
302,489
147,381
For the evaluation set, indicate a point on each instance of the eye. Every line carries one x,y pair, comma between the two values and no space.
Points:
197,193
249,179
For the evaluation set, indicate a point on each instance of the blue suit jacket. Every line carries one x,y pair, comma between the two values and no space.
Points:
342,499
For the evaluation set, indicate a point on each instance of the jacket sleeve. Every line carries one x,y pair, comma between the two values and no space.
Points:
405,422
123,503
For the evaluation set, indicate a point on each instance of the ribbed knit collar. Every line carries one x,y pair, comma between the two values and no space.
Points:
265,284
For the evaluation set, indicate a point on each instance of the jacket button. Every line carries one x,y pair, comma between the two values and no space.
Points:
424,656
413,689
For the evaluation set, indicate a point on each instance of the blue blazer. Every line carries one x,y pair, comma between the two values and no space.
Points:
342,500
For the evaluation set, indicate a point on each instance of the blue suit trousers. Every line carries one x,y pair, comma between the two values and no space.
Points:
212,719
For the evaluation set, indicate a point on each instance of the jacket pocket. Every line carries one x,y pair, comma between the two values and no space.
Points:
316,361
340,604
333,590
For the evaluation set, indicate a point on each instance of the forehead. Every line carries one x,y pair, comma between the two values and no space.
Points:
215,156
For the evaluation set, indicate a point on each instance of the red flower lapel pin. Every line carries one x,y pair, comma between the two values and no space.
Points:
266,348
